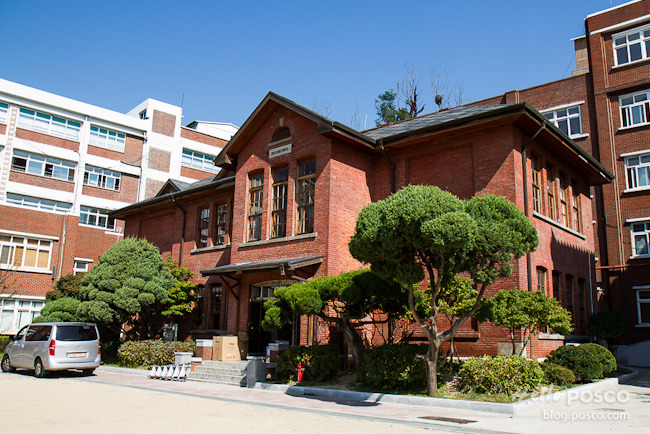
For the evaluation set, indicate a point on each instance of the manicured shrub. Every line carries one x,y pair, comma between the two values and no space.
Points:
608,325
603,355
319,363
584,364
135,354
558,375
4,341
393,368
500,375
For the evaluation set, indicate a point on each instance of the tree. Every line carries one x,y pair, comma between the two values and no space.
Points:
60,310
348,300
128,286
456,297
422,231
67,286
7,278
447,94
179,296
525,312
387,110
609,326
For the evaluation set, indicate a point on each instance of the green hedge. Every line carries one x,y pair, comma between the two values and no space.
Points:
393,368
136,354
499,375
4,341
587,363
558,375
319,362
604,357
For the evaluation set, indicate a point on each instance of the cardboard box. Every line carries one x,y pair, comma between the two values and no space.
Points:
243,345
225,348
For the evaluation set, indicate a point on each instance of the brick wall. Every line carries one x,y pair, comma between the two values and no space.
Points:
159,159
163,123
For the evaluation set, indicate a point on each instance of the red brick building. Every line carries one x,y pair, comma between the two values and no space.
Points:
605,108
293,182
64,165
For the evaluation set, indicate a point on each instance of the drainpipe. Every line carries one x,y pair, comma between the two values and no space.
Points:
180,253
524,161
390,164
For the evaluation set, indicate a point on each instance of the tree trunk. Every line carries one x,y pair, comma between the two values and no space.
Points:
432,368
355,343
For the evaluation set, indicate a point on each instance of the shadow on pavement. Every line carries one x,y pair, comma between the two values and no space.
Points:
341,401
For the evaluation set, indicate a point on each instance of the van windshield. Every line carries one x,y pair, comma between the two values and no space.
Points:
76,333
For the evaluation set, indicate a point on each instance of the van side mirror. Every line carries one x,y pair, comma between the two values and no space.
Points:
12,338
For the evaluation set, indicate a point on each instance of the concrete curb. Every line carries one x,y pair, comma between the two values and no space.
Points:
491,407
128,371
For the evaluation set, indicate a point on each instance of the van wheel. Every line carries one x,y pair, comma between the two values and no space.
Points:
6,364
39,370
87,372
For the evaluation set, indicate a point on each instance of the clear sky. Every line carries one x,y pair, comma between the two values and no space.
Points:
220,58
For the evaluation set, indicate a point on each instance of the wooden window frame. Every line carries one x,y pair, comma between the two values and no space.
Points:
219,234
536,184
305,195
202,226
255,205
280,188
550,193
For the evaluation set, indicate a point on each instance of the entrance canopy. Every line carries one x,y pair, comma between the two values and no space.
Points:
283,265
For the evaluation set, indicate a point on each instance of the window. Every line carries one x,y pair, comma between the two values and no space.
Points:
21,251
107,139
96,217
215,307
143,114
637,169
564,204
632,46
17,313
635,109
202,227
643,304
556,285
550,192
255,195
640,232
537,196
81,266
281,134
219,234
103,178
567,120
4,108
279,213
198,161
48,124
262,292
43,166
541,280
198,309
582,311
576,215
38,203
305,192
569,297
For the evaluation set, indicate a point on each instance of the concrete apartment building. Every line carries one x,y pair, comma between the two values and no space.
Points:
605,108
64,165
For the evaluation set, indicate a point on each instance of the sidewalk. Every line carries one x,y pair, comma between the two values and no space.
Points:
610,407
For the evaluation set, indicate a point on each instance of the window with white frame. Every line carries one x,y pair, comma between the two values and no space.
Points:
567,120
25,252
96,217
38,203
43,166
199,161
4,108
17,313
643,304
632,46
637,169
103,178
108,139
635,109
81,265
640,241
48,124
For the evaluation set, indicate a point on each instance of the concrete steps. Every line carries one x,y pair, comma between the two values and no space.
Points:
243,374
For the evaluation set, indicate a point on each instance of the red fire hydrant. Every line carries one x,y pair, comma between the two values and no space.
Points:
299,372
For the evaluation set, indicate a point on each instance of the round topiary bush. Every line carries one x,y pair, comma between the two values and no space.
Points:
584,364
319,363
500,375
393,368
604,357
558,375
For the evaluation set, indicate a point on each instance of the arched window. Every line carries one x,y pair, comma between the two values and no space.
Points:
281,134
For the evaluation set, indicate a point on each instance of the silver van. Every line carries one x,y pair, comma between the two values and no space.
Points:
54,346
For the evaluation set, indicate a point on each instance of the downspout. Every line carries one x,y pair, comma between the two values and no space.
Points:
390,164
180,253
524,165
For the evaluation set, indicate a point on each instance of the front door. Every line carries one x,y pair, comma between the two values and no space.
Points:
258,338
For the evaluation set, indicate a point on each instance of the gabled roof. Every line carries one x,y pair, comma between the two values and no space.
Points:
173,185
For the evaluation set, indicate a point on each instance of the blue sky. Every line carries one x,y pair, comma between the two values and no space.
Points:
219,59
